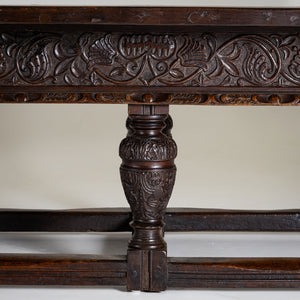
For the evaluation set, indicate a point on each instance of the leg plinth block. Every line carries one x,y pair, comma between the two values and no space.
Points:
148,270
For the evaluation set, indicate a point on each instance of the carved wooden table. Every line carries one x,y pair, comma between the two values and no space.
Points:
149,58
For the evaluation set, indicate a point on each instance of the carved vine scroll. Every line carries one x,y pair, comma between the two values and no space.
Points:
101,59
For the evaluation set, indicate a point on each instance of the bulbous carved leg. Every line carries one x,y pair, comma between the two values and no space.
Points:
148,175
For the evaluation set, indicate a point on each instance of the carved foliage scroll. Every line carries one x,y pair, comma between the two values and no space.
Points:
148,191
105,59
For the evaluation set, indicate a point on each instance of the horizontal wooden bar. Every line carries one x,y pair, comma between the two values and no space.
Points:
234,272
77,220
176,219
281,98
192,219
151,16
53,269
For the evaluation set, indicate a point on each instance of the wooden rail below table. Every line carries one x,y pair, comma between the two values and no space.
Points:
234,272
54,269
176,219
91,270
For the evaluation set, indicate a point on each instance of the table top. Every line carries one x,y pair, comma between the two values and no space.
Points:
154,16
150,55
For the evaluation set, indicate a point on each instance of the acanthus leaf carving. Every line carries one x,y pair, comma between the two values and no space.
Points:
151,149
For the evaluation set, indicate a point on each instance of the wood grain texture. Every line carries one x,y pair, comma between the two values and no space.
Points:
176,219
234,272
54,269
193,219
156,16
147,270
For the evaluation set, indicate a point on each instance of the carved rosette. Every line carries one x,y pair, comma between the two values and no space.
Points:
148,176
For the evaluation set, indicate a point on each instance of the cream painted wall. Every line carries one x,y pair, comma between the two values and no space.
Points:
66,156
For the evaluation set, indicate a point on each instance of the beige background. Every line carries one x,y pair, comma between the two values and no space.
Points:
66,156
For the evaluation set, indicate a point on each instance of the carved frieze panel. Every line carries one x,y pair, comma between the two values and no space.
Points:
134,98
105,59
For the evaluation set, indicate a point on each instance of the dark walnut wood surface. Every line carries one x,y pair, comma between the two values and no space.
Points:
149,58
151,16
214,56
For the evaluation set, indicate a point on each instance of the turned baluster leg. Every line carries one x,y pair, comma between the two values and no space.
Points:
148,175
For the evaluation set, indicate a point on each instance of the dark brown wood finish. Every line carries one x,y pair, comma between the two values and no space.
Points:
234,272
170,65
148,176
53,269
46,269
149,58
87,220
286,98
177,55
192,219
176,219
155,16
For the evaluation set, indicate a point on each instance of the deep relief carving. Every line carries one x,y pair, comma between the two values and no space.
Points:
158,149
56,97
148,174
175,98
148,191
192,60
235,99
